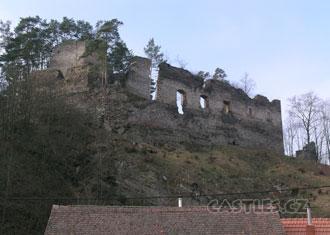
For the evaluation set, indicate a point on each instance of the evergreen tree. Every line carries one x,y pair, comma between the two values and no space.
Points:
204,75
108,31
153,52
118,53
68,29
84,30
29,45
219,74
119,57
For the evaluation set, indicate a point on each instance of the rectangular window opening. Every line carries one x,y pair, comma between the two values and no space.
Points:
181,101
226,107
204,102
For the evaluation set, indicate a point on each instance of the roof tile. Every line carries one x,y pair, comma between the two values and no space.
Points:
159,220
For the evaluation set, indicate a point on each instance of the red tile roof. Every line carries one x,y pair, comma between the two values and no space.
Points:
297,226
159,220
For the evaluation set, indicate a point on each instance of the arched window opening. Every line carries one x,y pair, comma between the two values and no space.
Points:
226,106
181,101
204,102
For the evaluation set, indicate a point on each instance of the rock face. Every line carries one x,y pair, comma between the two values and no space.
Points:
308,152
228,116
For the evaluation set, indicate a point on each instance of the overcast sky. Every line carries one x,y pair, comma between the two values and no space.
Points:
284,45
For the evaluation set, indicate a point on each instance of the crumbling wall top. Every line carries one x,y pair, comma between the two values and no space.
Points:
180,75
215,86
211,87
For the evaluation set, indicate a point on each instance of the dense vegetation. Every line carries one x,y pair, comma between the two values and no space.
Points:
46,144
43,143
28,46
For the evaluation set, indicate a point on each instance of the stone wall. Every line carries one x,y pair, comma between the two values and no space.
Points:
171,80
68,55
139,77
230,116
218,94
80,71
308,152
161,123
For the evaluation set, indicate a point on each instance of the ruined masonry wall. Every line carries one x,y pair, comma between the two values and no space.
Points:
80,71
139,77
168,84
68,55
250,122
173,79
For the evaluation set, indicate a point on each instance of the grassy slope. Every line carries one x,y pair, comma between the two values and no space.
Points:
224,170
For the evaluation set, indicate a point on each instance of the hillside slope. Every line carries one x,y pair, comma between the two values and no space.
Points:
84,149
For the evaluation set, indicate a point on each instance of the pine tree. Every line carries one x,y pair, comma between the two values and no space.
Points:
219,74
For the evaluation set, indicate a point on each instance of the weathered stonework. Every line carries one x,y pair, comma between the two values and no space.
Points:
229,117
171,80
80,70
138,78
218,94
308,152
68,55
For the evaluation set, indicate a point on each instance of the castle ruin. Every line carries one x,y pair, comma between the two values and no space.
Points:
228,115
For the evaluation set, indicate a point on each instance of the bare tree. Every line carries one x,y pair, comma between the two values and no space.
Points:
325,125
181,62
308,121
247,84
290,134
305,109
